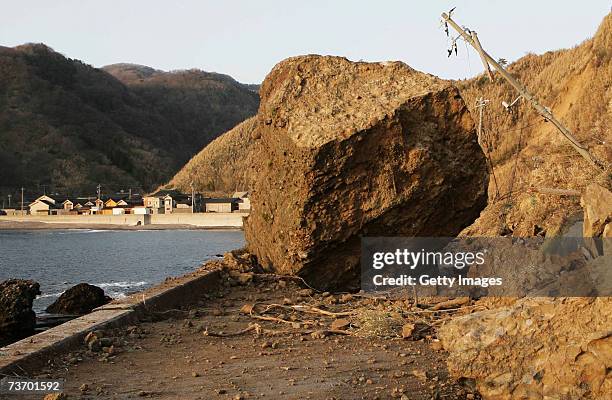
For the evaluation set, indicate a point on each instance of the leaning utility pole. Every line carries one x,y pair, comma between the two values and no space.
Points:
472,39
482,58
192,196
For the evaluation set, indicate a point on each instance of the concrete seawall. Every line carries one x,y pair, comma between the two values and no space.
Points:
32,353
201,220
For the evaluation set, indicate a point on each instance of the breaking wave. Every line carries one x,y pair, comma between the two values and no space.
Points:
112,289
122,284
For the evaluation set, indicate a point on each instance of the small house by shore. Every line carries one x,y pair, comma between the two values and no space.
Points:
44,205
220,205
170,201
244,203
166,201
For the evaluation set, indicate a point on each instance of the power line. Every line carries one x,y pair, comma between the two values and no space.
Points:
471,38
520,128
485,141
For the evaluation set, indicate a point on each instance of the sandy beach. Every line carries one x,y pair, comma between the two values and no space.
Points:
36,225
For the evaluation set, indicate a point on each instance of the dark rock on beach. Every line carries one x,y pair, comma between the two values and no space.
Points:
17,320
79,299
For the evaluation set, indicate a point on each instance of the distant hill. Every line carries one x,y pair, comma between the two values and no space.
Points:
223,166
131,73
201,105
69,126
253,86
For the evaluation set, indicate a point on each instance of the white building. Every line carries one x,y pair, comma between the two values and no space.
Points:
244,205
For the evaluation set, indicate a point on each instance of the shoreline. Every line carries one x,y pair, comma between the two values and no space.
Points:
42,226
165,332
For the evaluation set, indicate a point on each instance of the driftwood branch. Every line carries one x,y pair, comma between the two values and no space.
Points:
555,191
453,303
305,309
251,327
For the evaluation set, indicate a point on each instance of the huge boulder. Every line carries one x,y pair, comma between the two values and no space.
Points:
538,348
79,299
347,149
17,320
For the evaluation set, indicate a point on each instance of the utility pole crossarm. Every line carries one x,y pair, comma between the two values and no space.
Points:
472,40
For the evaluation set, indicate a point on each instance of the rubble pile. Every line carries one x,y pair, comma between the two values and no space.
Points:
552,347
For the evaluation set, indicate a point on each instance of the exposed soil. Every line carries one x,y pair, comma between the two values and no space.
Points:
179,358
529,154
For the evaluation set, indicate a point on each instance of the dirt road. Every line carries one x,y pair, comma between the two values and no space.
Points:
177,356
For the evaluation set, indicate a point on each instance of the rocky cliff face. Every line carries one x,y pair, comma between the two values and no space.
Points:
349,149
530,154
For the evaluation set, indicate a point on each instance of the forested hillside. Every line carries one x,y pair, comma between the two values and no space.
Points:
200,104
69,126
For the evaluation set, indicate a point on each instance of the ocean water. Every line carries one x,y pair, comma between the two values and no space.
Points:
120,262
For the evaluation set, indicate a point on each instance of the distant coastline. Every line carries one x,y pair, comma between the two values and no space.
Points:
19,226
201,222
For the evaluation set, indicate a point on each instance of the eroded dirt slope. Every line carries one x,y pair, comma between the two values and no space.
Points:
575,84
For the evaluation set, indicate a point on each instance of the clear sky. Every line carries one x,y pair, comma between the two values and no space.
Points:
245,38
